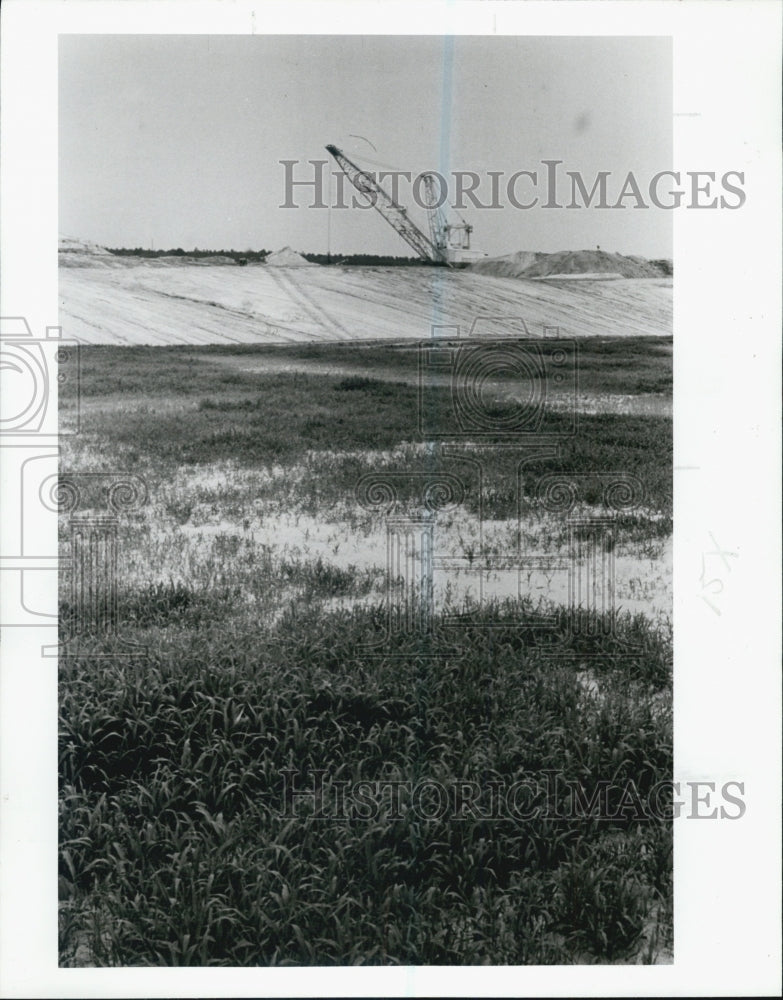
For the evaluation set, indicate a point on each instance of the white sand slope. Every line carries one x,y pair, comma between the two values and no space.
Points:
131,301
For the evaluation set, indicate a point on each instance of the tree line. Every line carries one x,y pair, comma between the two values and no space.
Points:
256,256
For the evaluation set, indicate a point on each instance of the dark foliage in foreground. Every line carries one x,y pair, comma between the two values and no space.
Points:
177,847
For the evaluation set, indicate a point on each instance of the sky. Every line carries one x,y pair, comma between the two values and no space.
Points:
176,140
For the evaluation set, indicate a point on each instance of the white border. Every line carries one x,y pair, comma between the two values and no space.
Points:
727,392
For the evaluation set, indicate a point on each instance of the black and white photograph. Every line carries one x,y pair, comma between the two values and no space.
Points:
370,508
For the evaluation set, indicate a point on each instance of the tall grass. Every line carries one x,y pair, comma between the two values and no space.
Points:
175,843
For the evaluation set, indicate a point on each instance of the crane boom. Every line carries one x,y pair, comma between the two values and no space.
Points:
395,214
437,220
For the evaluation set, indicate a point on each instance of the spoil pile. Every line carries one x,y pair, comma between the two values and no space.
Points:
82,253
287,258
592,263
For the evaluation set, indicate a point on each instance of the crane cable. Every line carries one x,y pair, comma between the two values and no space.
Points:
399,170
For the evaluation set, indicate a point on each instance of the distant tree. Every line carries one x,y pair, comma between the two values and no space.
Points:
377,260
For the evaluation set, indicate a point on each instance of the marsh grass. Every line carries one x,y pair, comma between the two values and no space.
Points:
611,364
289,417
174,845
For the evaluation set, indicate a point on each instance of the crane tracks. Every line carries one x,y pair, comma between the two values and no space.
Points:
333,329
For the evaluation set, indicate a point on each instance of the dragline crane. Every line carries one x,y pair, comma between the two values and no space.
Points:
448,243
396,215
451,240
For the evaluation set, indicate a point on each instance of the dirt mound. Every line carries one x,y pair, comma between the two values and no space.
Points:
287,258
68,245
82,253
596,263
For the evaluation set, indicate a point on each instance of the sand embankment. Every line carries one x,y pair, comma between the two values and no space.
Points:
106,299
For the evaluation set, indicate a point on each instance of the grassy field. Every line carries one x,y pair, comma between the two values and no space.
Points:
254,586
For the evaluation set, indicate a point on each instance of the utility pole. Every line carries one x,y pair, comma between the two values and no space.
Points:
329,225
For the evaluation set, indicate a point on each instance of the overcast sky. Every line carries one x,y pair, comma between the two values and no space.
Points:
175,141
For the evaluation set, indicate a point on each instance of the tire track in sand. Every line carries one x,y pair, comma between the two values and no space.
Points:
334,330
